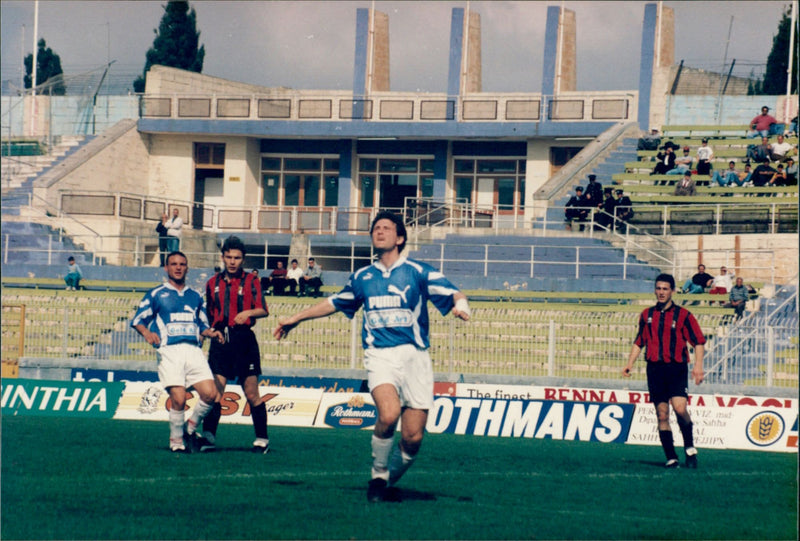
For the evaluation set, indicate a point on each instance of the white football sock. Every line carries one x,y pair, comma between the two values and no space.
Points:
200,410
381,449
175,426
399,463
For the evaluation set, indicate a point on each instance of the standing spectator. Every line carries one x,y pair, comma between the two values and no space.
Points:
234,302
174,226
722,283
393,293
666,161
605,218
780,150
762,174
682,163
163,240
575,209
73,276
311,279
624,211
704,156
293,277
727,178
172,318
791,172
594,190
686,186
664,332
738,297
699,282
277,280
762,124
759,153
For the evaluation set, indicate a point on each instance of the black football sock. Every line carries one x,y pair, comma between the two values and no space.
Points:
687,427
259,416
211,421
667,444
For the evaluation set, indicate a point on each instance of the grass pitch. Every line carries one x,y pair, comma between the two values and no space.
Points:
106,479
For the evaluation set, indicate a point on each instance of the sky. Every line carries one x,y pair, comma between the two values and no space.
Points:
311,44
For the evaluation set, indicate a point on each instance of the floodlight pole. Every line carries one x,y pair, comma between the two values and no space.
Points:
789,65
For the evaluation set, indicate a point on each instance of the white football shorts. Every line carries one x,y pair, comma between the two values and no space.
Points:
182,365
406,367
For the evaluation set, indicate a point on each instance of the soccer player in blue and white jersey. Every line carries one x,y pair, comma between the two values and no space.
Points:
172,318
393,292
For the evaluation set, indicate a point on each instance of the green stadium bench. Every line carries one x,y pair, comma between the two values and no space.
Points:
86,284
704,130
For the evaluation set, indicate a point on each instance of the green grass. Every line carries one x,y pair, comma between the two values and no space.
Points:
106,479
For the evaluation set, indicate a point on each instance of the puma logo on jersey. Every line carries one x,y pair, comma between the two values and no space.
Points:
394,289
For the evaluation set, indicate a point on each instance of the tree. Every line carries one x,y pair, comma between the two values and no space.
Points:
48,66
176,42
774,81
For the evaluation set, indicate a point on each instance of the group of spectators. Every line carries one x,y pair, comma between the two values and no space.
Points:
763,155
300,282
723,284
612,204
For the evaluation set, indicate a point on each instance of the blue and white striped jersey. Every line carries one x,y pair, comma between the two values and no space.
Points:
176,316
395,302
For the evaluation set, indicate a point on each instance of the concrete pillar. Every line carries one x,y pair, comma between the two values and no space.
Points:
566,66
371,69
464,74
647,64
663,65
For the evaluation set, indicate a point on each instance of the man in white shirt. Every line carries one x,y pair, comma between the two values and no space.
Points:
704,156
780,150
723,283
293,276
174,226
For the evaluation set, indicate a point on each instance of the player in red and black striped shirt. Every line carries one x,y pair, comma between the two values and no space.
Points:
234,301
664,332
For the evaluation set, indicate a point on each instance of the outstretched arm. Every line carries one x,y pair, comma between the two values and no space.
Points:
461,309
321,309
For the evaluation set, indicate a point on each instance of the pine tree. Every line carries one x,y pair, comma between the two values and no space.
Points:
176,42
774,81
48,69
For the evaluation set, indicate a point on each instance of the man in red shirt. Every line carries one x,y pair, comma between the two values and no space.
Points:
761,125
234,301
664,332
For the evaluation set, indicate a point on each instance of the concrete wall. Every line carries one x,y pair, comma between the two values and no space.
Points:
734,110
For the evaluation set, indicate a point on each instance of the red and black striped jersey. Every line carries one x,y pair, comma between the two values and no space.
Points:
664,334
227,295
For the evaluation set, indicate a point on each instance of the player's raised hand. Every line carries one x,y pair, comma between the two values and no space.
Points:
283,328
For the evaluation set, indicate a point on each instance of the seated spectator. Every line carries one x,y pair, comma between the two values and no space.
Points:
624,211
651,141
682,163
699,282
293,277
780,150
759,153
744,176
276,280
779,178
791,172
762,174
666,161
722,283
704,156
738,297
686,186
311,280
605,218
793,127
74,275
762,124
730,176
575,209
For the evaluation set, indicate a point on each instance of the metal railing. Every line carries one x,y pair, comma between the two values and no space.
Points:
513,339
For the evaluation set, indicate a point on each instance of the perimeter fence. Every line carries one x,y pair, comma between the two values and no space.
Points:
561,340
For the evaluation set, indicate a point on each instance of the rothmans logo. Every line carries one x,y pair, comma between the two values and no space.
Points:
765,428
355,413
